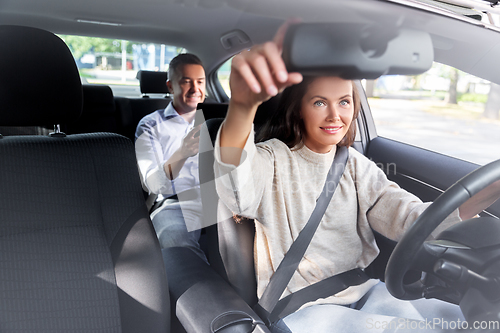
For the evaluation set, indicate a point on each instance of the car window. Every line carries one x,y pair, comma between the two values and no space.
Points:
223,76
116,62
443,110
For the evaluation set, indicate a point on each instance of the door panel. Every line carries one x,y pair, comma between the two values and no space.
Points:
422,172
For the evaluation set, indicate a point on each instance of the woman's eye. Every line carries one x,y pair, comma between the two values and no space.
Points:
319,103
345,102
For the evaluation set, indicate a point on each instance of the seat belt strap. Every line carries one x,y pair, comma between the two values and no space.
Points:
280,279
322,289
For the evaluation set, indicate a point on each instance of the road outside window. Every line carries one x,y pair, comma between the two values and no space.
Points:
443,110
223,76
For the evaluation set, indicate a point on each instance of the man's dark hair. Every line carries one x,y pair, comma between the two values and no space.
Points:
181,60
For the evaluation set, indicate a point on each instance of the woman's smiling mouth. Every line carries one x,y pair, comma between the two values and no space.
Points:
331,129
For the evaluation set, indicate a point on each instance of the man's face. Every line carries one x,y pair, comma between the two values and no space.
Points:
188,88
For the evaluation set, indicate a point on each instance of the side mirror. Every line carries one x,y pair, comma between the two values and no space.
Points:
356,51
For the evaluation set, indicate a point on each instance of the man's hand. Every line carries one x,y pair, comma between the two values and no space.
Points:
189,147
191,143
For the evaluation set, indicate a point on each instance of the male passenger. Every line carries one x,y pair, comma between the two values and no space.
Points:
166,148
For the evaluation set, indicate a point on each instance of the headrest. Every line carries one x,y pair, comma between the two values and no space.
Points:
153,82
39,81
212,110
98,99
266,110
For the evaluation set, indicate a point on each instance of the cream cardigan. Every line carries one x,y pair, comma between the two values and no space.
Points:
278,187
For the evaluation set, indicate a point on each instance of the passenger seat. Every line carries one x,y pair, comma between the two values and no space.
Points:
24,130
78,251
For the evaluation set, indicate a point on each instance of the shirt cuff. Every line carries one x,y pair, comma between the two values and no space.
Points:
157,182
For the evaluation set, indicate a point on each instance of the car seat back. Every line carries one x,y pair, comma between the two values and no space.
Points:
152,82
132,110
99,112
77,248
230,243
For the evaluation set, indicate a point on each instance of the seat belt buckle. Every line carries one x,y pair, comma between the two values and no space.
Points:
263,314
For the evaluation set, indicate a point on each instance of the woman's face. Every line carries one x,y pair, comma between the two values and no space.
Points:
327,111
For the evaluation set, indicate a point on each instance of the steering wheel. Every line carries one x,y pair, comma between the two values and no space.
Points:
405,252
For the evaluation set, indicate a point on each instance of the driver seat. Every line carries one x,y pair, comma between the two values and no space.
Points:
223,237
229,282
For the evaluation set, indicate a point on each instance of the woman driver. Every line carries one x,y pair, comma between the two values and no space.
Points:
277,181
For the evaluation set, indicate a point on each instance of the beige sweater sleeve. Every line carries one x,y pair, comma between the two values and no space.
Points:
390,210
278,187
241,188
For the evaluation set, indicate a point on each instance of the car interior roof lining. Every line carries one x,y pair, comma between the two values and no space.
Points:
258,19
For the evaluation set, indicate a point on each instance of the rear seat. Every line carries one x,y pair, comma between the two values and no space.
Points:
103,112
24,130
99,112
264,112
152,83
132,110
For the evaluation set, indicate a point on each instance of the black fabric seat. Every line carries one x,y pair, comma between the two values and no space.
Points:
152,82
99,112
237,267
230,244
228,286
132,110
77,248
213,110
24,130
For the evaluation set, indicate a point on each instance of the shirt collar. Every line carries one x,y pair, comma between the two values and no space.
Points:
170,111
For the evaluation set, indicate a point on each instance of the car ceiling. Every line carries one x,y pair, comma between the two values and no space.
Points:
198,25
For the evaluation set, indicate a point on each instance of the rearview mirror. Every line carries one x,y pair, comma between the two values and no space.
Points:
356,51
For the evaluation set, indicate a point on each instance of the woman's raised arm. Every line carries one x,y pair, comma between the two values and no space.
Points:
256,75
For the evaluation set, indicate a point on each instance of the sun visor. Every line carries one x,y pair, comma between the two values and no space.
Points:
356,51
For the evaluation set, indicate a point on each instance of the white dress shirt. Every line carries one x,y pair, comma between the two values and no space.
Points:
158,136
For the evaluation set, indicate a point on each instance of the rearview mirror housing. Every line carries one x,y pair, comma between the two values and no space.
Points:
356,51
